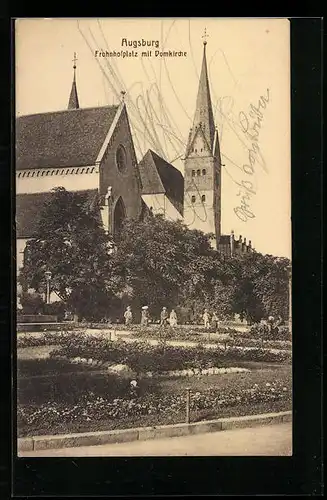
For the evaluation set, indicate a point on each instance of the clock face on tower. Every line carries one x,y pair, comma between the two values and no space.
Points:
121,159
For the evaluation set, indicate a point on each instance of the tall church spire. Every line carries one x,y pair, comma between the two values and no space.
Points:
202,167
203,116
73,98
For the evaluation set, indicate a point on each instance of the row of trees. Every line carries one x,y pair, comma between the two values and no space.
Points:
155,261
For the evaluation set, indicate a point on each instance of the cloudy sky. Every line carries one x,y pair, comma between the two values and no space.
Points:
248,60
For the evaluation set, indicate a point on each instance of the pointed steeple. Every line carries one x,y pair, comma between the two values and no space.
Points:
73,98
203,116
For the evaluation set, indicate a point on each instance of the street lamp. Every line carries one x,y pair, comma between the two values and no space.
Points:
48,275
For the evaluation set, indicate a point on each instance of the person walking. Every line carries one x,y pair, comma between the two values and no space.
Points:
164,317
214,320
145,316
128,315
206,318
173,318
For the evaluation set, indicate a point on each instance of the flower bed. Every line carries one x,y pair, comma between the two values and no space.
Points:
166,407
143,357
172,373
228,338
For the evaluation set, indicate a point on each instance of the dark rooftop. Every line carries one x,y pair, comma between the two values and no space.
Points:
159,176
68,138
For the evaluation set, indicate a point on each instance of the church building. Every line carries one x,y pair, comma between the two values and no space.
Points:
91,150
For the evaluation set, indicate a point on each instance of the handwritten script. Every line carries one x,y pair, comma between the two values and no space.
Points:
250,124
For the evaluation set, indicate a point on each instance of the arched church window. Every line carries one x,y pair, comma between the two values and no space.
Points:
193,199
196,150
198,172
118,217
203,198
193,173
121,160
204,171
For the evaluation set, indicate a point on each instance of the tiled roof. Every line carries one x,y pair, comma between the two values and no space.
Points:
30,206
159,176
150,179
67,138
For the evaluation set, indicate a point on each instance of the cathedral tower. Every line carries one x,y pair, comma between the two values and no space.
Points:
202,168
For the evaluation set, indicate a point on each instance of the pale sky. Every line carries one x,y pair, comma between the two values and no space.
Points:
246,57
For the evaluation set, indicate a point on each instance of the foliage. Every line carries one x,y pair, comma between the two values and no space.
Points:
156,262
167,405
169,265
32,303
157,256
143,357
272,333
226,337
56,308
71,243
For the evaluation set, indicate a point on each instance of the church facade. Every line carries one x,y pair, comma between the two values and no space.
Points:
92,150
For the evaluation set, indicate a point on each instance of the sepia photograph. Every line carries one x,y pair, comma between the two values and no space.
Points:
153,237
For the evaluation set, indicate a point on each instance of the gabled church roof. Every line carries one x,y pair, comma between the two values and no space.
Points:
67,138
158,176
29,208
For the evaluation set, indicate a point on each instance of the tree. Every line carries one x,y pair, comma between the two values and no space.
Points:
271,285
261,286
161,259
72,244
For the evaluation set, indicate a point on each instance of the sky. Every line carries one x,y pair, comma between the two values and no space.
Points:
249,72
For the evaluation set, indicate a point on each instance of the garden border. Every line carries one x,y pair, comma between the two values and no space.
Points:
145,433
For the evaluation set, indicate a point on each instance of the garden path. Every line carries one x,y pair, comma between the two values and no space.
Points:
269,440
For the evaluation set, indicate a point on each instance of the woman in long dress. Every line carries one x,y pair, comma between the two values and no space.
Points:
173,318
206,318
128,315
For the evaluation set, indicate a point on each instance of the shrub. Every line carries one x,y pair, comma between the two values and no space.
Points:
266,332
32,303
55,309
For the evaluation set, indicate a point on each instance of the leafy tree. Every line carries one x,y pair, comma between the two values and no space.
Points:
261,286
161,259
271,285
72,244
154,261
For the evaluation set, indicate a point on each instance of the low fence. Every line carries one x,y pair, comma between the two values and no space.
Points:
36,318
41,327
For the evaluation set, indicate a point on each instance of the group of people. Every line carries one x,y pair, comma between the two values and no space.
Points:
167,318
210,321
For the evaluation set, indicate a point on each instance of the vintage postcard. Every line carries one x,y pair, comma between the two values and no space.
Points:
153,225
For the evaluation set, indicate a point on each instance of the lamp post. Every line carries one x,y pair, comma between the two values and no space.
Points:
48,275
187,419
